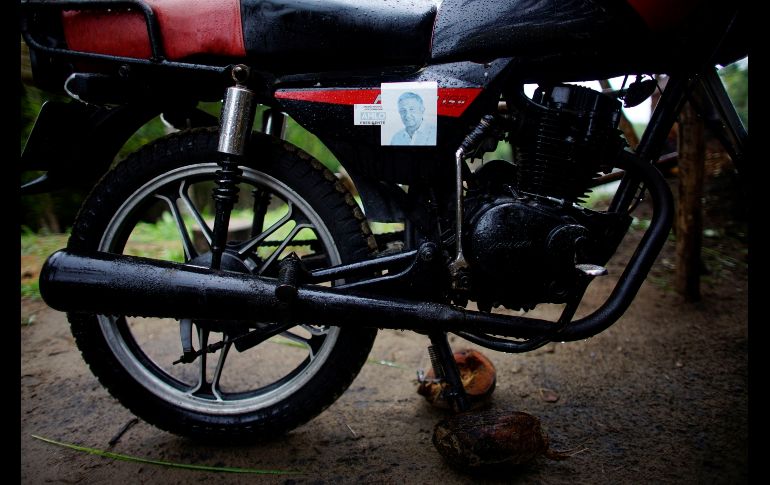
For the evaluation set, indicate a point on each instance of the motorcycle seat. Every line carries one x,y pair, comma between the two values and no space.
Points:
329,34
284,35
187,28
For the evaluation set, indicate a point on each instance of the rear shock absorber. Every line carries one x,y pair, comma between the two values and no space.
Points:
234,130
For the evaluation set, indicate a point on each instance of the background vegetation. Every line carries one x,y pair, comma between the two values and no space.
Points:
736,80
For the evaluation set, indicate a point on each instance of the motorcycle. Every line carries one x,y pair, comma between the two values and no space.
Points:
405,94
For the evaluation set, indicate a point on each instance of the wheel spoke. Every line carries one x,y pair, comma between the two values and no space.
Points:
189,249
218,371
313,343
248,245
184,187
203,383
262,200
274,255
185,335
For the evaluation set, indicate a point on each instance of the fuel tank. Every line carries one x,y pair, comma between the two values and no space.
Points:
594,36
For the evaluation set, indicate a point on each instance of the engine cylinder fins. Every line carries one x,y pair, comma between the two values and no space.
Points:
571,137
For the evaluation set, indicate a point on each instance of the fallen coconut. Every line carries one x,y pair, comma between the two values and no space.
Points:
491,439
477,374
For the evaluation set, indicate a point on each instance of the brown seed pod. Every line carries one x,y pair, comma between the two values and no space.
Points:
478,376
491,438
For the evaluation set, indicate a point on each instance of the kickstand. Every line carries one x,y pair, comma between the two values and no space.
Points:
444,366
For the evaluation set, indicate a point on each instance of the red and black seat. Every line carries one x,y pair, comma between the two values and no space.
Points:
289,35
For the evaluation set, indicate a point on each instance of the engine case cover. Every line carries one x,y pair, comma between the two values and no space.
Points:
522,252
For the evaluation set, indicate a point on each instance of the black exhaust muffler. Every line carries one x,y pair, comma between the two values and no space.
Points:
115,284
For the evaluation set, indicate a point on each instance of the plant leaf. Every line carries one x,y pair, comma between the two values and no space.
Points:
135,459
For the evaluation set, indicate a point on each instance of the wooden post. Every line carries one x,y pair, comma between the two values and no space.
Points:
689,214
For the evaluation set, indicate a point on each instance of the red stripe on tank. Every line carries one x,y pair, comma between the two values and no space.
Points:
452,102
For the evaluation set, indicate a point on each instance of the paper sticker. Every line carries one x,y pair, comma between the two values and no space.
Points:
368,114
410,113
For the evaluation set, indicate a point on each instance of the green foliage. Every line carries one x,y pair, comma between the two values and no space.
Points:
503,151
50,211
164,229
598,198
299,136
736,80
159,240
30,289
41,244
144,135
31,101
36,247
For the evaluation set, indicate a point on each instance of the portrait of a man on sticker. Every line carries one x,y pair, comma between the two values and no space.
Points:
411,113
417,130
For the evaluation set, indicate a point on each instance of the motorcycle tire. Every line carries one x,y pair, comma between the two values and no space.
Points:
274,387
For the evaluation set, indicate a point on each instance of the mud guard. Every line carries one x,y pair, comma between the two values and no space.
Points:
75,143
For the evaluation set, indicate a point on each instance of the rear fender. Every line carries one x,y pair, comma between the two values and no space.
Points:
75,143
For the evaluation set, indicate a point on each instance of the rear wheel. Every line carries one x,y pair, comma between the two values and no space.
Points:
289,203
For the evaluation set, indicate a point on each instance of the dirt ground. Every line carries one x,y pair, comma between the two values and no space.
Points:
660,397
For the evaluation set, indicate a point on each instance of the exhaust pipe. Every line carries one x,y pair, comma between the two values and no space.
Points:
115,284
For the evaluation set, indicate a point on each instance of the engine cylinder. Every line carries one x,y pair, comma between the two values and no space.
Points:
570,135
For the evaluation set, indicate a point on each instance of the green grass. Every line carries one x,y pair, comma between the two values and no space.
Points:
164,229
35,248
30,289
163,463
159,240
34,244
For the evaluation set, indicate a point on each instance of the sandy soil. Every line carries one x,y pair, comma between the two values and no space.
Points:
660,397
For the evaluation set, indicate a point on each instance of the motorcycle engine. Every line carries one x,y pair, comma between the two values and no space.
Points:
524,231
